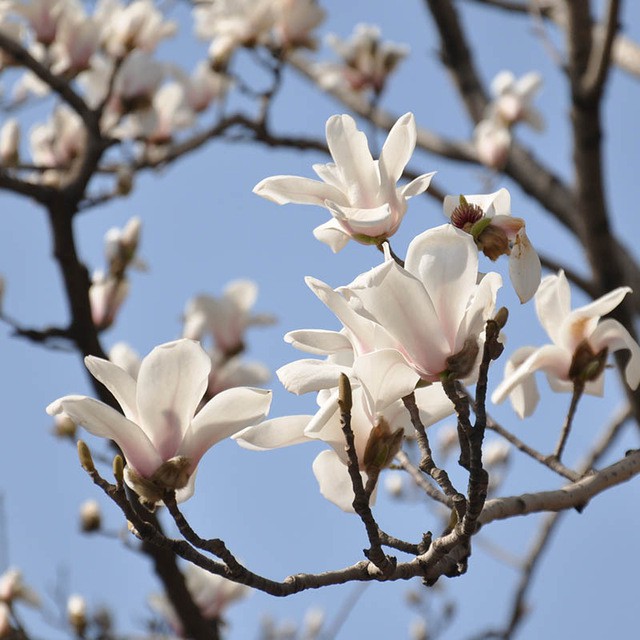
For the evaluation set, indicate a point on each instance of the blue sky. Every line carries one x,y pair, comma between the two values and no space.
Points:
202,228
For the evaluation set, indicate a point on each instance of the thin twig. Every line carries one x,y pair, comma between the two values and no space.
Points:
578,388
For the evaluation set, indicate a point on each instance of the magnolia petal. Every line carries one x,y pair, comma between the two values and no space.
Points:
524,268
334,480
330,174
528,84
397,149
386,376
118,381
582,322
550,358
553,304
611,334
274,433
396,300
182,495
307,375
333,234
374,223
416,186
225,414
242,294
318,341
502,82
525,397
288,189
350,150
103,421
445,260
433,403
171,383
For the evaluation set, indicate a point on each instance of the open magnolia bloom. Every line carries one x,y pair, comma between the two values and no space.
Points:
379,420
359,192
579,351
432,311
160,435
513,99
496,232
226,318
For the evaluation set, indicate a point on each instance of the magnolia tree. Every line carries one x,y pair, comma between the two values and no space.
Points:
451,294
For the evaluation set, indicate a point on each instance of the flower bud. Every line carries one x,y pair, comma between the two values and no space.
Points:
85,457
382,446
64,426
90,516
77,614
344,393
461,364
394,484
118,470
587,365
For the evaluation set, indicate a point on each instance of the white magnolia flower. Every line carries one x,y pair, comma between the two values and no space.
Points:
513,99
160,434
44,16
77,41
121,246
294,21
211,593
496,232
367,61
225,318
379,420
203,86
107,294
359,192
581,342
432,311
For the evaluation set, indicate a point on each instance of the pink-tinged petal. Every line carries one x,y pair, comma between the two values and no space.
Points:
433,403
445,260
273,434
581,322
374,223
334,480
225,414
350,150
550,358
524,268
416,186
399,303
386,376
118,381
553,304
171,383
303,376
103,421
611,334
318,341
397,149
333,234
287,189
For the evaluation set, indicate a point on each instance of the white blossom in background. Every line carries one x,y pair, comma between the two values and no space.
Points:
136,25
121,247
496,453
496,232
44,16
107,294
211,593
227,373
90,516
13,30
231,24
295,21
10,143
367,61
13,588
581,342
203,86
225,318
123,356
513,99
77,41
57,144
64,426
359,192
492,142
160,434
